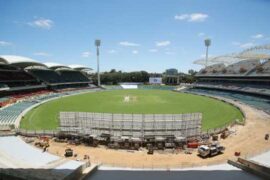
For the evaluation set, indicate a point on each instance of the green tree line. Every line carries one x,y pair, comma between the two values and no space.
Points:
114,77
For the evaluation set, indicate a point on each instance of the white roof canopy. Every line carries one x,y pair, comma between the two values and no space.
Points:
78,66
253,53
55,65
19,61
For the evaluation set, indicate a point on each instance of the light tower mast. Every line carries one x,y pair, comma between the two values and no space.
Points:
207,43
97,44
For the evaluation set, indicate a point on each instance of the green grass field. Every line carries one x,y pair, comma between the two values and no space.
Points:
215,113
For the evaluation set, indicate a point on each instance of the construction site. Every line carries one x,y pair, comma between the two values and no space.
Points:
160,151
130,131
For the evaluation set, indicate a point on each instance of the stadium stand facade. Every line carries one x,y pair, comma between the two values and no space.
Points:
25,82
248,76
20,73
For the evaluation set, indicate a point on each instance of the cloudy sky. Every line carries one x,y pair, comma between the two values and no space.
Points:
147,35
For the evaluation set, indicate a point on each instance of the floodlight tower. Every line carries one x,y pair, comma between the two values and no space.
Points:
97,44
207,43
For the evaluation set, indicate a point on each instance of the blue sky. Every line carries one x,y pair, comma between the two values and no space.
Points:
147,35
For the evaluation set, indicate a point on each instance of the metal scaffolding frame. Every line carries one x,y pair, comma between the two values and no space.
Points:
133,125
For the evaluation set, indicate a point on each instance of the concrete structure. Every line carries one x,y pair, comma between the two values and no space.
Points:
21,160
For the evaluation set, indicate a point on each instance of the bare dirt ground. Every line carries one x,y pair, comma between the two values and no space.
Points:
248,139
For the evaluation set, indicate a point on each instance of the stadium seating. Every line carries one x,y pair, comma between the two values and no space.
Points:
262,69
236,86
47,75
242,67
61,76
250,76
213,69
158,87
14,77
72,76
17,78
9,114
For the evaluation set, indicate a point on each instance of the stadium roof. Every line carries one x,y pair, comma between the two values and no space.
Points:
19,61
253,53
225,59
79,67
24,62
53,65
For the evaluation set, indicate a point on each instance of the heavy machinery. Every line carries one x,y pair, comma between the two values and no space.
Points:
210,151
42,142
150,150
225,134
68,152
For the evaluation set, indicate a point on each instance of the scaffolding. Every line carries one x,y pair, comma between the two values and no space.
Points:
132,125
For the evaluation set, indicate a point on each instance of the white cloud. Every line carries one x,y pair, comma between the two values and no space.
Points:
198,17
41,54
5,43
112,51
169,53
247,45
86,54
135,52
194,17
153,50
181,17
201,34
163,43
126,43
42,23
257,36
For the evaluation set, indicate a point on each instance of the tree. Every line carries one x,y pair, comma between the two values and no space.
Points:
115,77
112,71
192,72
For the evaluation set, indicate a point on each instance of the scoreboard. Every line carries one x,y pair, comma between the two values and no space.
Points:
155,80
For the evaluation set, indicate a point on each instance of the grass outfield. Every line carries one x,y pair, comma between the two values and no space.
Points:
215,113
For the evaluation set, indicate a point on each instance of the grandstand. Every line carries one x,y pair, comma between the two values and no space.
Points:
12,77
20,73
25,82
243,72
159,87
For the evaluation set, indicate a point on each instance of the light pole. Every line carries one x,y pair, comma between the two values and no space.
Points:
97,44
207,43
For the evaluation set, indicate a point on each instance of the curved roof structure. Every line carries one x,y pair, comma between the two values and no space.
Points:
253,53
53,65
225,59
36,67
24,62
19,61
79,67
